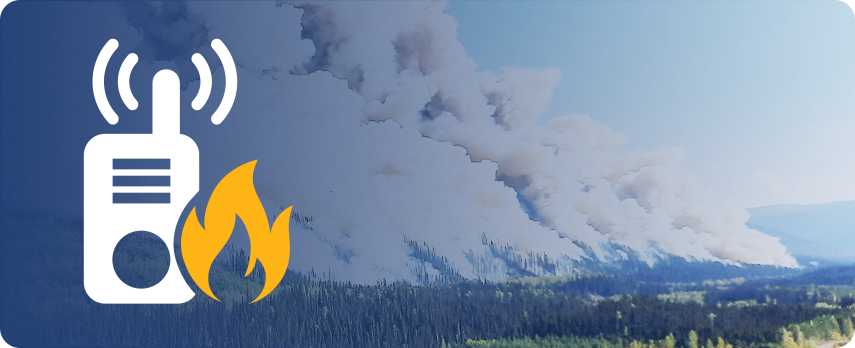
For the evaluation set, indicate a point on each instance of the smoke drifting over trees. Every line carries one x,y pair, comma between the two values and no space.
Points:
371,118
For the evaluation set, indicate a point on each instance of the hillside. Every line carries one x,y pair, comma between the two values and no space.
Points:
822,233
305,311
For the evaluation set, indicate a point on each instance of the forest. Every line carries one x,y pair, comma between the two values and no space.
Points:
794,311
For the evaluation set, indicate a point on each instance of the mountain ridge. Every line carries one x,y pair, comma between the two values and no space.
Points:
819,231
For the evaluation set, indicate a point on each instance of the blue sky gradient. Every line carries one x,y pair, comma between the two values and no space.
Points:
758,94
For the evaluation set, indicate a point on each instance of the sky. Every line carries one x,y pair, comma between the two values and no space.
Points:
373,120
757,94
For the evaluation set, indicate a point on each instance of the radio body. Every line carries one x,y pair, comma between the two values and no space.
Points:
142,182
138,182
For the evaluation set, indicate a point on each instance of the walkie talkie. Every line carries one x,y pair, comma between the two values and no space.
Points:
142,182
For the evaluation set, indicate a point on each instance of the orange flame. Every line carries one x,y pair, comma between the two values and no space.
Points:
235,195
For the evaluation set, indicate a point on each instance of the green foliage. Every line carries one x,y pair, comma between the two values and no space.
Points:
684,297
573,342
305,312
822,328
787,340
848,329
669,341
693,339
540,342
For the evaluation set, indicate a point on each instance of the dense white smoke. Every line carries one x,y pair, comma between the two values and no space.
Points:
371,118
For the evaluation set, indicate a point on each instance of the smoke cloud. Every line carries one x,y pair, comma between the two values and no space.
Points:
370,118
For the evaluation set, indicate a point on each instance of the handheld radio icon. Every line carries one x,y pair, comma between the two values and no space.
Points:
142,182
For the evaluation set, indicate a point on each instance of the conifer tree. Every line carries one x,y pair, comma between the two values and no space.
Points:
693,339
848,329
787,340
670,341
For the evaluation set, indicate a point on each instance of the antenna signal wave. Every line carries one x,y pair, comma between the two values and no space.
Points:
205,81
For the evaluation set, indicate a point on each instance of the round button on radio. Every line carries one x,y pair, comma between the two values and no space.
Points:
141,259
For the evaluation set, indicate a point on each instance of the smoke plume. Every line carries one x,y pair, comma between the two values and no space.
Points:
371,120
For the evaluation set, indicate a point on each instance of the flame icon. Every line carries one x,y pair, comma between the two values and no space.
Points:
235,196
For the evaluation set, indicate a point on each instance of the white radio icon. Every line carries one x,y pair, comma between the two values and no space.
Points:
142,182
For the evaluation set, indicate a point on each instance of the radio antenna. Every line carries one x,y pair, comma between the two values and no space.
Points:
130,61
